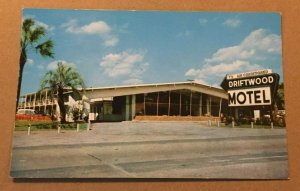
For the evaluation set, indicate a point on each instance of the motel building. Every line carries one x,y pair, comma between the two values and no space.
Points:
163,101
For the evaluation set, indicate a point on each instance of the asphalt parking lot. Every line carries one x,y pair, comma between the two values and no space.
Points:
151,150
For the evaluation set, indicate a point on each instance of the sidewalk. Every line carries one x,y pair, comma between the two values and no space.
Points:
135,131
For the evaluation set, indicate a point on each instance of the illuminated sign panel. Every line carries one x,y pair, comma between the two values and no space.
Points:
250,97
255,88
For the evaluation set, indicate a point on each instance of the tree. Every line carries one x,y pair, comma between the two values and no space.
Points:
31,36
64,78
279,104
280,97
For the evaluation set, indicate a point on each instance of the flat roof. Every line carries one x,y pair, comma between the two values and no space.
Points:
154,84
141,87
102,92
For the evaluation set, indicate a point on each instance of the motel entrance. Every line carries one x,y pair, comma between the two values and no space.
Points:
174,103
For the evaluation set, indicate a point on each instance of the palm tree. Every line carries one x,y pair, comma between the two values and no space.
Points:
56,82
31,36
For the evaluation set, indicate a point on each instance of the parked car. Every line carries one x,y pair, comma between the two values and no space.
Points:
32,115
26,112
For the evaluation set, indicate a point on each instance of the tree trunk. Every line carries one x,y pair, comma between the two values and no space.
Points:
61,104
22,61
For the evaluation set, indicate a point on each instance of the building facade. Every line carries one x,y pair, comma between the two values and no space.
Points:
125,103
39,101
43,103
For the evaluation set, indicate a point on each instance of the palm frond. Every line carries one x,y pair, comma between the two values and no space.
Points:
37,34
64,77
27,24
27,28
46,48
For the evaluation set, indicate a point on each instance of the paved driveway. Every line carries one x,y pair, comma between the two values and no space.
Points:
152,150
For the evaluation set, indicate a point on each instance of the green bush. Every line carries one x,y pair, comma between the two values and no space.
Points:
22,125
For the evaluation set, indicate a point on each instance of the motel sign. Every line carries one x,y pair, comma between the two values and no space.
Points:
257,88
248,97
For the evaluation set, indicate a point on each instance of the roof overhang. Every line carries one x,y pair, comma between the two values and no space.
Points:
96,93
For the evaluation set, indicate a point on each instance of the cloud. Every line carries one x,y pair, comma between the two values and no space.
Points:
47,27
71,26
100,28
232,23
211,71
111,41
121,64
39,23
186,33
127,65
53,65
133,81
258,47
263,41
203,21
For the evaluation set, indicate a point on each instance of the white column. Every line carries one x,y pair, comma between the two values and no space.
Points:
133,104
127,108
92,113
220,107
34,100
45,105
207,105
30,101
210,105
200,105
40,101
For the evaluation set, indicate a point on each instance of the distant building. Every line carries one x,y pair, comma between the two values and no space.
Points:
125,103
44,103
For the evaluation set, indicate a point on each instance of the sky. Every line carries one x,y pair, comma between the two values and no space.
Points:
113,48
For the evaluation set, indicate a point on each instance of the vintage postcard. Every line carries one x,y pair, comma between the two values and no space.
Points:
150,94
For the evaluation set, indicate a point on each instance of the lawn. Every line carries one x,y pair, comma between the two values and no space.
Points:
22,125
